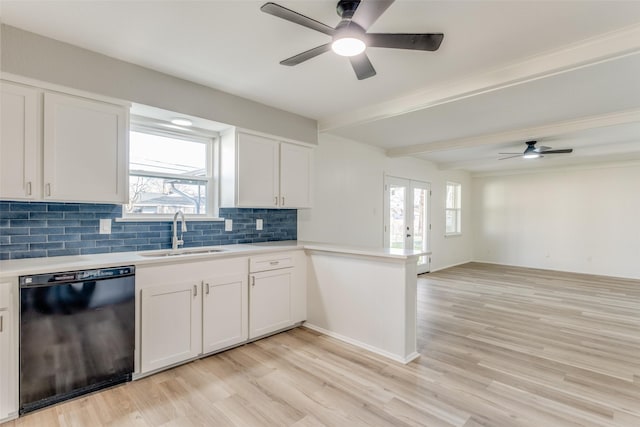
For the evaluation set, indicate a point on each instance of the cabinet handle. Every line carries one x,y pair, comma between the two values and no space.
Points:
282,200
48,189
29,188
1,322
195,290
207,288
253,280
275,202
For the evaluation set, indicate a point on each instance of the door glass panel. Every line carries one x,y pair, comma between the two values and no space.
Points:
397,197
420,221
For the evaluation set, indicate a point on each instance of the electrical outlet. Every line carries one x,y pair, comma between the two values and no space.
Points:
259,224
228,225
105,226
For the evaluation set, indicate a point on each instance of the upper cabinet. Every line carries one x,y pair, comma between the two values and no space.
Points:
61,147
20,147
261,172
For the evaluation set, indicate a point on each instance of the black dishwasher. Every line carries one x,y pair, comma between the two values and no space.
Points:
77,333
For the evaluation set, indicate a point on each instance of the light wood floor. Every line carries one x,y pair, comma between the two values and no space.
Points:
499,346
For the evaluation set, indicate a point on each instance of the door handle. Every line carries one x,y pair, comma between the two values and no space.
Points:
408,235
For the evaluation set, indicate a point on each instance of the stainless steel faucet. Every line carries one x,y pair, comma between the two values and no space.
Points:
176,243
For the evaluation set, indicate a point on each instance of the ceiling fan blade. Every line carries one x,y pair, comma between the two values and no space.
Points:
561,151
519,154
369,11
510,157
296,18
429,42
306,55
362,66
541,149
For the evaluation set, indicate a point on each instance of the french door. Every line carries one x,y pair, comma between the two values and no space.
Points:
406,216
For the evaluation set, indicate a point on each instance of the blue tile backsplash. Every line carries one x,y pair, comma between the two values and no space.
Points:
42,229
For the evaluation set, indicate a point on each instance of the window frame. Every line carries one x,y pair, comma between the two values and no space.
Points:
209,138
456,209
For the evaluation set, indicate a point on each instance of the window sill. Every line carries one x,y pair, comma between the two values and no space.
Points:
452,235
166,219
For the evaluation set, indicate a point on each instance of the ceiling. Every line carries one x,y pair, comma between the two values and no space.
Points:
564,72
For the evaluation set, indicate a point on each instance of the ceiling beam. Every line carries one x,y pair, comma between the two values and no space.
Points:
521,135
595,50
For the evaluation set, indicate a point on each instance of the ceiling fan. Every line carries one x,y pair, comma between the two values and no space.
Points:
350,37
533,152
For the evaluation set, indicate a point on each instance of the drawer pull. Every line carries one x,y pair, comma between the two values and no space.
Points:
274,262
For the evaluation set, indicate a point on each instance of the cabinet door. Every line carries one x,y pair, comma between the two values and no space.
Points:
19,142
257,171
5,347
224,312
269,302
296,164
171,318
85,144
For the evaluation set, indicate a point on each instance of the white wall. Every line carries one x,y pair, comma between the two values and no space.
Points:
581,220
30,55
348,199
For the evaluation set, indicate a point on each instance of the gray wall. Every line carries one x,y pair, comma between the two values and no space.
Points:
37,57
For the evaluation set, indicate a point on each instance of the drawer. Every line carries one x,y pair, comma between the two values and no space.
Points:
270,262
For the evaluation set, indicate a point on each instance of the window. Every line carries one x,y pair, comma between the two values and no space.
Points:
453,209
169,171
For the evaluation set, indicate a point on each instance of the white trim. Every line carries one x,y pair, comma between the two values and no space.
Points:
452,265
376,350
595,50
568,168
536,132
39,84
270,136
552,269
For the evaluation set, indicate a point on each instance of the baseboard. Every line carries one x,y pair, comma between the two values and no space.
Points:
397,358
556,270
450,265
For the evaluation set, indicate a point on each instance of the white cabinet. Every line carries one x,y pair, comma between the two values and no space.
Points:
20,148
270,302
277,295
190,308
84,150
170,324
261,172
224,312
61,147
8,354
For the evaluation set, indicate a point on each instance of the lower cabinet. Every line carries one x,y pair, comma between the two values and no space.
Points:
8,354
224,312
270,302
170,324
190,308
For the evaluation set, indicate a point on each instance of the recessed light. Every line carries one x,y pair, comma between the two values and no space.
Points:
181,121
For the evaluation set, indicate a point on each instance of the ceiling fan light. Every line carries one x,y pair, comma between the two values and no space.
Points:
531,155
348,46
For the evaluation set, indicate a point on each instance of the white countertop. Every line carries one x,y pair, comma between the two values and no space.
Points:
18,267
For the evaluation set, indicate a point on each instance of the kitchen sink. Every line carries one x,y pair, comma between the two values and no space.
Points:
180,252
